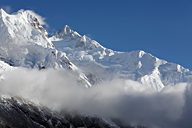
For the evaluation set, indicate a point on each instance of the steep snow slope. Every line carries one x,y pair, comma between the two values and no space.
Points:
100,63
24,43
22,28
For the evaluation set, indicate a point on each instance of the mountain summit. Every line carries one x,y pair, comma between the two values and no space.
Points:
25,43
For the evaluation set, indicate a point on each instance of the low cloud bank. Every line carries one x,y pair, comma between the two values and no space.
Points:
127,100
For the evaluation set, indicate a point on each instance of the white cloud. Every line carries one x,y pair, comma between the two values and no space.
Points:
128,101
40,18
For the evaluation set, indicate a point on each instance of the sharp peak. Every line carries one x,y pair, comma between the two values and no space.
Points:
67,29
3,12
24,11
30,15
17,12
67,26
141,53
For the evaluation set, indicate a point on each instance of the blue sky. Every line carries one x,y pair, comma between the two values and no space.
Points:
160,27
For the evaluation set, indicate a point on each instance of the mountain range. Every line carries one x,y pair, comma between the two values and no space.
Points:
25,43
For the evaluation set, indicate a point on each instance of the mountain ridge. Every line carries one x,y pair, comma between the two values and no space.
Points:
150,69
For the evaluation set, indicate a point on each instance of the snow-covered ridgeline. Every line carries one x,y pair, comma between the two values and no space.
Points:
100,63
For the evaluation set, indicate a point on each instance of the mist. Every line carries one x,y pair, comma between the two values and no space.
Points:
126,100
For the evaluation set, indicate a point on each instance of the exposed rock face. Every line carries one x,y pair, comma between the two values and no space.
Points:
19,113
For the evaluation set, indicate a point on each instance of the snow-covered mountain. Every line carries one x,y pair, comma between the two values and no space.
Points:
24,43
100,63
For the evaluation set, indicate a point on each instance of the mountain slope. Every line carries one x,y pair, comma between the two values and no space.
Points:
19,113
100,63
24,43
